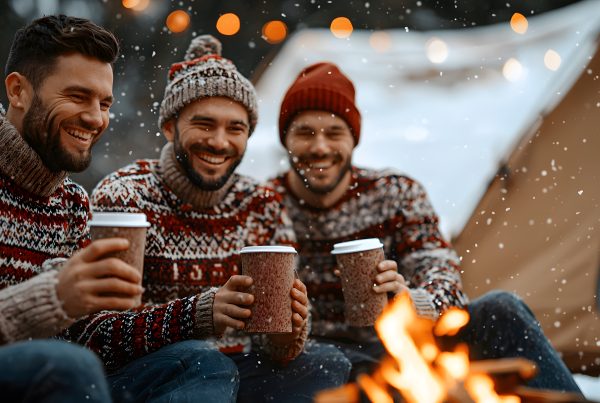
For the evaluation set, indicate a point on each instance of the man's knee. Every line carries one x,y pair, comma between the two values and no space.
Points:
500,305
200,357
328,359
62,359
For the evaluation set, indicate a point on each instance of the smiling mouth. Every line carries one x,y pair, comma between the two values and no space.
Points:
212,159
321,165
81,135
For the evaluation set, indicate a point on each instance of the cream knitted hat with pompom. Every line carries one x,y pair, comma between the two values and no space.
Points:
204,73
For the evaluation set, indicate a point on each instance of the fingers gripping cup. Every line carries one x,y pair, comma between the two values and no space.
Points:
357,261
131,226
272,269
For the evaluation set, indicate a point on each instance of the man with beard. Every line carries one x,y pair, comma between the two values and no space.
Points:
202,214
330,200
58,81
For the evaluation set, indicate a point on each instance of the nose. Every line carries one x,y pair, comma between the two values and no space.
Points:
319,145
93,116
218,139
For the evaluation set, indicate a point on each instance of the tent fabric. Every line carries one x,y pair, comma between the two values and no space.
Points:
536,231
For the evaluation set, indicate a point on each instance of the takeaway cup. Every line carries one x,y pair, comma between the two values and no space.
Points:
357,262
132,226
272,269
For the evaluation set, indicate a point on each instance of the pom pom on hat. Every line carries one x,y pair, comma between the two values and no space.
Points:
203,45
203,74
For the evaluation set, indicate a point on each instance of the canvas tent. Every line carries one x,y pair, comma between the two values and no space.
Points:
454,109
536,231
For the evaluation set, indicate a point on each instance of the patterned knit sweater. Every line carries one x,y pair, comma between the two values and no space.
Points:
43,215
191,248
378,204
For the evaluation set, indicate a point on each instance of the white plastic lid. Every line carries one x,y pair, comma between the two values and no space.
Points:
127,220
359,245
268,248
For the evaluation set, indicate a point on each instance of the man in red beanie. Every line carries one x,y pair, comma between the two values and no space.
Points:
330,200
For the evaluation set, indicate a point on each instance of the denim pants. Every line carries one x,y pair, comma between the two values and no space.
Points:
501,326
319,367
188,371
51,371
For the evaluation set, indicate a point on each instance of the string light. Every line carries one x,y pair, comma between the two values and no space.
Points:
341,27
228,24
178,21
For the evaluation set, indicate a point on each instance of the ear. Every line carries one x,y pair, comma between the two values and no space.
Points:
169,129
19,91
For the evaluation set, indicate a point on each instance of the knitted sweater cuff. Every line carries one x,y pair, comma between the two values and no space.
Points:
423,302
204,314
283,354
32,309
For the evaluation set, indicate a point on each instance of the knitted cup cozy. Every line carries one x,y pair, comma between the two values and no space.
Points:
204,73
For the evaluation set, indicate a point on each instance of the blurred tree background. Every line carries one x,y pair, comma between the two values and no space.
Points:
149,46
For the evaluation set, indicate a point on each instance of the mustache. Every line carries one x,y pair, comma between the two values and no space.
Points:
308,158
200,148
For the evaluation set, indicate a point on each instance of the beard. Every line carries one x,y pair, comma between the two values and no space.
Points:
183,157
304,174
38,133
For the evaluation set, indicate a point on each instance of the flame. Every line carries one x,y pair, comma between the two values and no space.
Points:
417,368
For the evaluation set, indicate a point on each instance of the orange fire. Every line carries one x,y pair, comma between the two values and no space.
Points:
417,369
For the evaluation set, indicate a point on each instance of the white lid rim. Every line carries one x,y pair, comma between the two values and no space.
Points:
268,249
118,219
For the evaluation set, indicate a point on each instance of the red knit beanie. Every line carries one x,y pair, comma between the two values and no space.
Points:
324,87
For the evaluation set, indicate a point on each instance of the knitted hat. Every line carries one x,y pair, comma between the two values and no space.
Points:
204,73
321,86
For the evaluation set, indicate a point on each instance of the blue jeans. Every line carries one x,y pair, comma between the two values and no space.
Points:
319,367
51,371
188,371
501,326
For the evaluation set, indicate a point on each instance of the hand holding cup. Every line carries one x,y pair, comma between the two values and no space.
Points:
231,304
90,282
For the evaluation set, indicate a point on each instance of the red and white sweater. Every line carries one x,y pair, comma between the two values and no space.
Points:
43,216
378,204
191,247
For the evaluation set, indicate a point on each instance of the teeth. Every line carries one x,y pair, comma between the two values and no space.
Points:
85,136
212,159
321,165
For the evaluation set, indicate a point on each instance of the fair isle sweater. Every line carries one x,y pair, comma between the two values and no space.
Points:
191,247
378,204
43,216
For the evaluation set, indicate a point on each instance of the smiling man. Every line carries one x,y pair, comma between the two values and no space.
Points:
58,80
202,213
330,200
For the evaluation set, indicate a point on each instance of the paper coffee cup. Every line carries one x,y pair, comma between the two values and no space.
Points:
357,262
272,269
131,226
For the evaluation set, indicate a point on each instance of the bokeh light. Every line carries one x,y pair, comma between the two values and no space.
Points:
519,23
512,70
341,27
228,24
274,31
141,5
178,21
552,60
437,50
381,41
130,3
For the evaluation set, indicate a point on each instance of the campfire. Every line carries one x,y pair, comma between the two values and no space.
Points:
417,370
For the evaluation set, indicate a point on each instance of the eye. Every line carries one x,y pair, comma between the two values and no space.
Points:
77,97
238,129
105,106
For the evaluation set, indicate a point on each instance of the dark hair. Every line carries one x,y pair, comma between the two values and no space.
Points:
36,46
